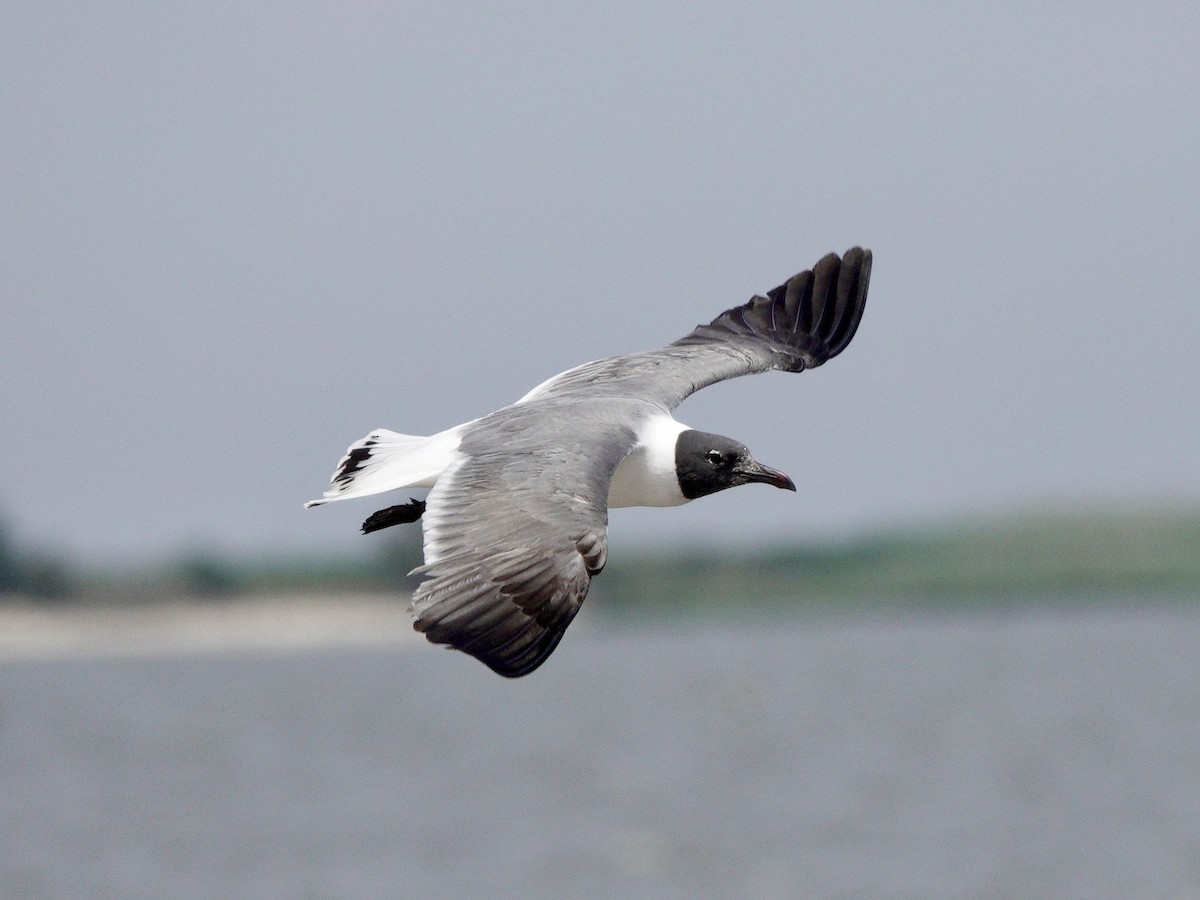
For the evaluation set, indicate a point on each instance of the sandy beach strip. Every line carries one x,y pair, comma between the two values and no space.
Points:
32,631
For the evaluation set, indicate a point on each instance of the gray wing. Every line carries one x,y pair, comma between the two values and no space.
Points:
802,323
516,527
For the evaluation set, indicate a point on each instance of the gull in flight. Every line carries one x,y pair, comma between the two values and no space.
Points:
516,521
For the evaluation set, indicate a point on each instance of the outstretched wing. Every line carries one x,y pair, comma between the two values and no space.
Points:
800,324
516,527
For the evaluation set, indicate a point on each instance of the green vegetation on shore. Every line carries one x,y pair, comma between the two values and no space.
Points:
1098,552
1036,555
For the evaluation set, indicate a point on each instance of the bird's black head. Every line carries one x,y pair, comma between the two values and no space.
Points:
707,463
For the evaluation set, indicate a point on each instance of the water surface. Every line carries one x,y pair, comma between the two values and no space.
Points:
1036,754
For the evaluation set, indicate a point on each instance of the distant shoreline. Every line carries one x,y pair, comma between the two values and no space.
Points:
38,631
211,605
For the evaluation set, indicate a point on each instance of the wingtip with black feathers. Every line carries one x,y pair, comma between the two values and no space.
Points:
807,320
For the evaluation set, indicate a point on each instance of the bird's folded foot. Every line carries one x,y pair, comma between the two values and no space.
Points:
402,514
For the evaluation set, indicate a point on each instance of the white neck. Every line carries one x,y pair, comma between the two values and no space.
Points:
646,477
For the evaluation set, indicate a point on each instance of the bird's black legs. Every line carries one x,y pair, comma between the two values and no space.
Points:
394,515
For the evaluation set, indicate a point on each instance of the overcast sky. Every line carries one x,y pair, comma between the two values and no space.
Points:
238,236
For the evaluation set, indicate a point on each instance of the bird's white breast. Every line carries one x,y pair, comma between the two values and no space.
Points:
646,477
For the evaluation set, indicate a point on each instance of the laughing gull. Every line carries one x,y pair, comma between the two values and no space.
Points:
516,523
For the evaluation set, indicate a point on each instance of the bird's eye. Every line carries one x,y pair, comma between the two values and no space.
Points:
714,457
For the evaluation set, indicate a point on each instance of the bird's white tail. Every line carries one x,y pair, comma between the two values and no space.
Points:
385,460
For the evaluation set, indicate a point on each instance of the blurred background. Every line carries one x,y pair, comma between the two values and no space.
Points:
959,662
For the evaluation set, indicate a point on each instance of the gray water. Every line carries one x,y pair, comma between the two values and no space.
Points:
1036,754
